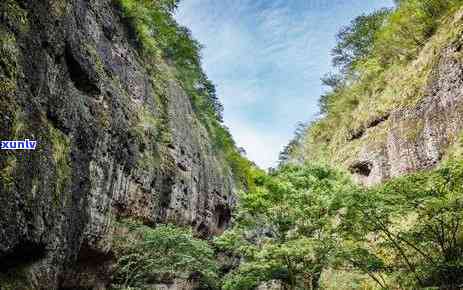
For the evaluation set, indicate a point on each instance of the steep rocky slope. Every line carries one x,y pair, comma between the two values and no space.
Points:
403,121
115,139
416,137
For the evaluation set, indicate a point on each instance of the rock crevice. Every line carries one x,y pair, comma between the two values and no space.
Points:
418,137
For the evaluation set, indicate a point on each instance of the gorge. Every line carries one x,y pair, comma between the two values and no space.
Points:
136,183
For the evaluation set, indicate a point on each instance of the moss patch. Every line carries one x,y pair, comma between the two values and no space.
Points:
7,173
20,128
58,7
411,129
8,54
17,132
61,156
149,132
455,151
8,71
95,58
7,87
15,16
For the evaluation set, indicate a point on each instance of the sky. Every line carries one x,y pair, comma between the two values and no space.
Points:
266,58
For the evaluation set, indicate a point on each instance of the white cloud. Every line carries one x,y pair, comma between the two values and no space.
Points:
266,58
261,145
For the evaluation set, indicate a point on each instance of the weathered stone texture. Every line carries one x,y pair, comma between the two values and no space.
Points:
418,136
72,78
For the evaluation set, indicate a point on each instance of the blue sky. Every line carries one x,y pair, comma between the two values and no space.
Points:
266,58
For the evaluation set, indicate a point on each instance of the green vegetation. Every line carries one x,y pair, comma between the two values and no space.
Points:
7,173
309,226
385,61
14,15
286,229
154,255
8,53
59,7
409,27
160,36
61,156
162,41
93,55
407,232
8,69
302,222
19,129
149,128
7,87
295,144
355,42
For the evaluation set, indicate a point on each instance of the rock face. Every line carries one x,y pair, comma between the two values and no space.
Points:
114,140
417,137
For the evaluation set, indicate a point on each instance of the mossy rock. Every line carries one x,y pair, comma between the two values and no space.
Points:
15,17
7,176
8,55
61,156
59,7
7,87
94,56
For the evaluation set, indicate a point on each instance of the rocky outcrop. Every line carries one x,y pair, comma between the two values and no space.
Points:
115,139
417,137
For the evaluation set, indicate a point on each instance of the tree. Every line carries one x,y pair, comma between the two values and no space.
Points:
406,233
408,28
148,254
288,150
285,228
208,89
409,230
355,42
333,80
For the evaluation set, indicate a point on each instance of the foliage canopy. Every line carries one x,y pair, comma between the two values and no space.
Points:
151,255
304,220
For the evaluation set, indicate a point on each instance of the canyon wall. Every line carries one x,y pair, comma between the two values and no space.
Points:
116,139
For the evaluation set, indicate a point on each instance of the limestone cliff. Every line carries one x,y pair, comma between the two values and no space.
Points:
115,139
405,124
417,137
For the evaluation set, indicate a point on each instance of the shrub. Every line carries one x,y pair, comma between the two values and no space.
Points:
356,41
415,222
146,255
284,228
408,28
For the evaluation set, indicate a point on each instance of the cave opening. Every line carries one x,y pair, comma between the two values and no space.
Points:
79,76
22,254
223,214
362,168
